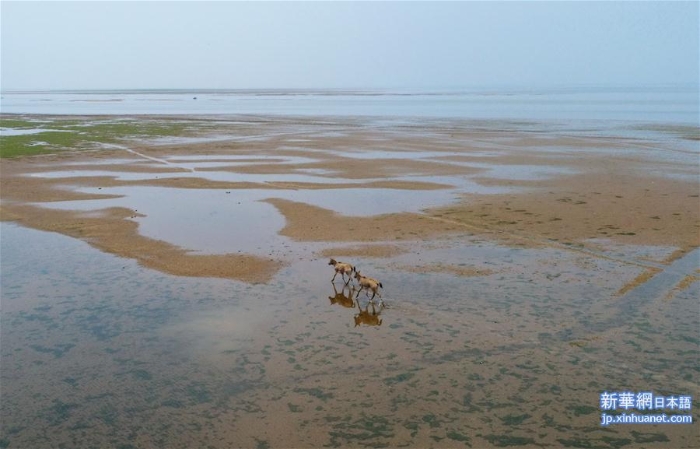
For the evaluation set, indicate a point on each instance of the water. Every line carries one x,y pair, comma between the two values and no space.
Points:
239,220
660,104
99,351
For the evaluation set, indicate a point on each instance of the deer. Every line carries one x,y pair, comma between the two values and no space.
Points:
342,268
368,283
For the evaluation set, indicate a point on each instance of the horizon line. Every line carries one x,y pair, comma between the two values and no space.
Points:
353,89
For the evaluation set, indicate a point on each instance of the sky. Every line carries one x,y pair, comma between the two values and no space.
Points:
238,45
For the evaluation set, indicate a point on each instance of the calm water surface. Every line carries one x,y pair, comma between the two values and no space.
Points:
99,352
668,104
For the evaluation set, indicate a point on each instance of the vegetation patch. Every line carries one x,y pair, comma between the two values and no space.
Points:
198,393
640,437
60,135
368,430
456,436
508,440
514,420
315,392
403,377
584,410
60,411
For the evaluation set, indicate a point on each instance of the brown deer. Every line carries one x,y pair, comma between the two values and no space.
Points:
368,283
342,268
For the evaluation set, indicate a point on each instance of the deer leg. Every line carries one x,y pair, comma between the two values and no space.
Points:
336,274
374,293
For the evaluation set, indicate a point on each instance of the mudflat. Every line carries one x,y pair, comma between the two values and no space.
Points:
537,188
524,264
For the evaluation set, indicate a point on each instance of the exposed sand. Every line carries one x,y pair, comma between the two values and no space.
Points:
113,231
604,189
457,270
377,250
313,224
625,207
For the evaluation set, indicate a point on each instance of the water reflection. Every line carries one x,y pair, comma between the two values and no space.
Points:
368,318
370,315
341,298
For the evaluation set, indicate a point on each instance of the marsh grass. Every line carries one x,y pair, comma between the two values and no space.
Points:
61,135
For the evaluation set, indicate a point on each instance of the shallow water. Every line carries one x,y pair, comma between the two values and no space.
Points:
238,220
188,172
21,132
670,104
97,349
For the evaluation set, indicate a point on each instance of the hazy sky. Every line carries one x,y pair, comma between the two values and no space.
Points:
92,45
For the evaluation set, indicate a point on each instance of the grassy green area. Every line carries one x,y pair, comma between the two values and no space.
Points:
17,123
47,142
65,134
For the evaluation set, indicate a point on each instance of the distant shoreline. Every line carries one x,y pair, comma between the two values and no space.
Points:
656,104
397,90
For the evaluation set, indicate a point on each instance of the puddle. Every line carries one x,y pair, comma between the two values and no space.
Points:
631,252
660,283
463,184
189,172
215,222
27,131
383,154
213,162
282,158
318,171
110,161
176,140
219,222
122,176
519,172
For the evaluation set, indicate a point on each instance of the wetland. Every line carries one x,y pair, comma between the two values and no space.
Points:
165,281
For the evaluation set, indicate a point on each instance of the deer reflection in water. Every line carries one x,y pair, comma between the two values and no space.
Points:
368,318
341,298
